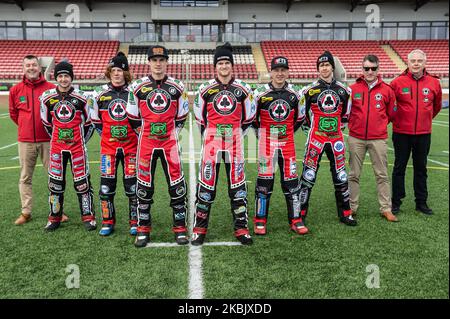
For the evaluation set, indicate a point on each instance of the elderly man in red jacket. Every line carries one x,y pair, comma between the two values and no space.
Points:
373,103
33,140
419,100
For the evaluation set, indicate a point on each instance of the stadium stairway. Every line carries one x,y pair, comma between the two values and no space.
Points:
124,48
394,56
260,62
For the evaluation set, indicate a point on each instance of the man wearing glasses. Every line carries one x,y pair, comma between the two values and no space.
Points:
373,103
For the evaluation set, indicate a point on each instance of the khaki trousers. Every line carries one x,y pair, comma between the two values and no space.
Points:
378,155
28,154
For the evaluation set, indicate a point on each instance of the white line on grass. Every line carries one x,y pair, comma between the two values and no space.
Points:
195,252
440,122
446,152
437,124
3,147
14,158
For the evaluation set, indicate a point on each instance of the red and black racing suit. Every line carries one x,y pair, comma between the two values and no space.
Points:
224,112
118,146
327,106
161,106
278,116
66,118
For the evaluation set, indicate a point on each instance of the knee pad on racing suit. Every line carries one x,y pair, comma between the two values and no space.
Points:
85,198
238,196
291,190
177,194
263,191
144,195
106,193
341,192
56,197
130,191
307,182
205,197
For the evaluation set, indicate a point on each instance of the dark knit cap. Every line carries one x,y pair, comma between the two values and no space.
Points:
119,61
325,57
224,52
63,67
157,51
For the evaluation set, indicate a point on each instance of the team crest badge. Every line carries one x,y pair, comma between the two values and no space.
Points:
158,101
279,110
116,110
328,101
64,111
224,103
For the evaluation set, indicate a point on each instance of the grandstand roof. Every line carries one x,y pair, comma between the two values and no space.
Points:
22,4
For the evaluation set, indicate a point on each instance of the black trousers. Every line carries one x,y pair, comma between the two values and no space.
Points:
404,144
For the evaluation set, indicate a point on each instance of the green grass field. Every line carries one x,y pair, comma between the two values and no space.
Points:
330,262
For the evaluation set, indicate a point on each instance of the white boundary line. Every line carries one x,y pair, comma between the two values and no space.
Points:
3,147
438,124
195,252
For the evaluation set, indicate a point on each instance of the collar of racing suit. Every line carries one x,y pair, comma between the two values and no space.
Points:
285,85
224,84
326,83
64,94
117,88
158,82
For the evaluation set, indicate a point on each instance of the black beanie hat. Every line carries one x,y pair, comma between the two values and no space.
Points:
325,57
224,52
63,67
119,61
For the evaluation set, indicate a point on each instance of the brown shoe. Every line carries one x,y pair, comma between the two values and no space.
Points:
389,216
64,218
23,218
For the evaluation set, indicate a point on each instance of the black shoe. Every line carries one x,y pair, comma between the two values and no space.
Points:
245,239
423,208
243,236
90,225
349,221
52,226
395,209
198,239
181,238
142,239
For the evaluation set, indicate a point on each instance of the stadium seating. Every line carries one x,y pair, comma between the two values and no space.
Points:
436,50
89,58
200,64
302,56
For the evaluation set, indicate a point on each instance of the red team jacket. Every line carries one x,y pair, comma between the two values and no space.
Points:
372,110
24,109
418,102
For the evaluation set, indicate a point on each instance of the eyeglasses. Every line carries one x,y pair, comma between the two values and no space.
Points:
367,68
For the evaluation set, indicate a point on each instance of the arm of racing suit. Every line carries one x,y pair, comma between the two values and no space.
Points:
46,117
301,116
133,113
96,116
346,108
88,127
199,110
183,110
249,110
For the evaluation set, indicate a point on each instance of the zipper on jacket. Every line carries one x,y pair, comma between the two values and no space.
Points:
368,111
417,106
32,111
